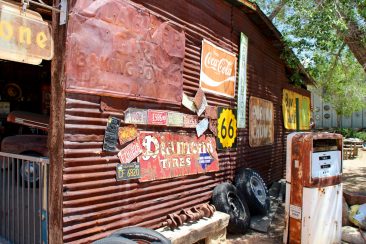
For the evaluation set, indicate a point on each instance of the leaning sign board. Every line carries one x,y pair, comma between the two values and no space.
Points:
260,122
24,37
167,155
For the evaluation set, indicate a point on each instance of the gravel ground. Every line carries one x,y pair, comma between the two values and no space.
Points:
354,179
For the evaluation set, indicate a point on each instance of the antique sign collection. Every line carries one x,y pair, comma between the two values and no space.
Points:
152,155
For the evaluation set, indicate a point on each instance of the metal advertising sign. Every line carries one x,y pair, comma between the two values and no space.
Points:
157,117
201,127
141,56
111,134
24,37
190,121
261,129
213,126
211,112
226,128
218,70
127,133
168,155
130,152
175,119
289,110
188,103
200,101
242,84
136,116
128,171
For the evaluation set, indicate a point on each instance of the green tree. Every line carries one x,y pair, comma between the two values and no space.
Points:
329,38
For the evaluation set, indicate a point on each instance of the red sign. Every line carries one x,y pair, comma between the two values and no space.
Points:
190,121
168,155
157,117
130,152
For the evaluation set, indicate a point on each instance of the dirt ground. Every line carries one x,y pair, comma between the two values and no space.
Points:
354,179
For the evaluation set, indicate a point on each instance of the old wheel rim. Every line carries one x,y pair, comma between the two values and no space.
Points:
234,204
30,172
258,189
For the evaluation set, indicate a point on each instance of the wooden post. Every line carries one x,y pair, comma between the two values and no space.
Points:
56,131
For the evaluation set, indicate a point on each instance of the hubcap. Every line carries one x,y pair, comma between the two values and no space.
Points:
30,171
258,189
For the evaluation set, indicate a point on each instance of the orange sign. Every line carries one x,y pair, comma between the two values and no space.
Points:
218,70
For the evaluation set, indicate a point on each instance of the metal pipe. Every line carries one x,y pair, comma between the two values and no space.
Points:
40,201
28,206
23,205
34,202
18,207
8,204
13,197
45,6
2,229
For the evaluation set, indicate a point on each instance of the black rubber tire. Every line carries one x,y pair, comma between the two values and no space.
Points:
257,196
141,234
226,199
114,240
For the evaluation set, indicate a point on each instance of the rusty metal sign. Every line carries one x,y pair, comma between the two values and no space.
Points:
111,134
24,37
218,70
175,119
127,133
157,117
211,112
136,116
188,103
261,128
130,152
213,126
200,101
168,155
128,171
201,127
190,121
141,54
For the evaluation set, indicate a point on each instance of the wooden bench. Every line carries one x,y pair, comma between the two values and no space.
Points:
211,230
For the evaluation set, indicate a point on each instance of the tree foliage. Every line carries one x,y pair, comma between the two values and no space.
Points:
329,38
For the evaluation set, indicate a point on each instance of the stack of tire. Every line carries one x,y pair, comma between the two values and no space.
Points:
248,196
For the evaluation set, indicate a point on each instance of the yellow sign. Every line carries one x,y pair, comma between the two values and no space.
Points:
226,128
24,37
289,110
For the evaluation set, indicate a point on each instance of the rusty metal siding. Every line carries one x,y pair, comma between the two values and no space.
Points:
94,204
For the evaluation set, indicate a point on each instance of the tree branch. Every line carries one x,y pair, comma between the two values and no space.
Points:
277,9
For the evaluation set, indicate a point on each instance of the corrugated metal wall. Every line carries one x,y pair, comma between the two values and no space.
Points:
94,204
325,116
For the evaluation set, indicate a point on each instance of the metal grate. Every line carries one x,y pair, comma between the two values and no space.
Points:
23,198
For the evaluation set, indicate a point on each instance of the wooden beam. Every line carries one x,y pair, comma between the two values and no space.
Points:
56,131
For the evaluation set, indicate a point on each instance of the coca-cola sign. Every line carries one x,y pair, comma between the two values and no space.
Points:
218,70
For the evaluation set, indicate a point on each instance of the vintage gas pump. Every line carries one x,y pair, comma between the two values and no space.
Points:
313,188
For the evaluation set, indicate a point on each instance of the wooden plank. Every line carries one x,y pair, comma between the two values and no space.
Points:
211,228
56,131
